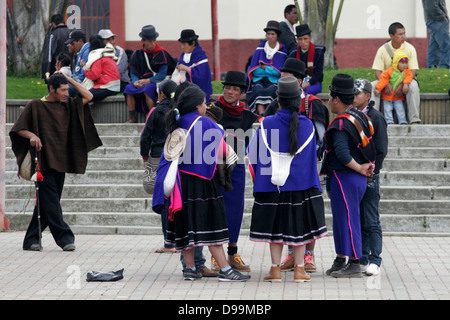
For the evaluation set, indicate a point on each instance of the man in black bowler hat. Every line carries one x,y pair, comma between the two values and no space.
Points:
348,163
313,56
239,121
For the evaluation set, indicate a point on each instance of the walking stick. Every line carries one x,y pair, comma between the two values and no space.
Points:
37,177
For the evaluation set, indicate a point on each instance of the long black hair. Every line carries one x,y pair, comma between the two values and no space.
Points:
187,97
96,42
293,105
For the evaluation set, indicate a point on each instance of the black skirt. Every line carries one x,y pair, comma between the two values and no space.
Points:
289,217
202,220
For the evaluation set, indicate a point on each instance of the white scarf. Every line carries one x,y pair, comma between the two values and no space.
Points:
94,55
269,51
187,57
291,27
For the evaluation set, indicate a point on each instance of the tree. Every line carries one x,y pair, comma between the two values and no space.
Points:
319,16
28,24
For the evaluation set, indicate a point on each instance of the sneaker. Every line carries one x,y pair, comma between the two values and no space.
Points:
189,274
310,263
236,262
372,270
335,267
288,263
351,270
232,275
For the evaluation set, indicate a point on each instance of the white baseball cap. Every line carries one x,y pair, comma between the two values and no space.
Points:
106,34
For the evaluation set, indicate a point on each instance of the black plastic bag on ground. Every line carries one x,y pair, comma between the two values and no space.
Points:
104,276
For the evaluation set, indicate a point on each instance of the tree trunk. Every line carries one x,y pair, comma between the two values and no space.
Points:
28,22
318,14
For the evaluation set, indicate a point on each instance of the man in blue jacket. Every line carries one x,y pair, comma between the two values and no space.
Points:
78,46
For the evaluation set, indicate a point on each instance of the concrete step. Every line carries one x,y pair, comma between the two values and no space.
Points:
125,191
419,153
419,130
84,191
394,141
99,164
143,205
102,152
397,164
83,223
416,164
394,178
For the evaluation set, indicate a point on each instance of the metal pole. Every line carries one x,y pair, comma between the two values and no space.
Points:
215,40
4,223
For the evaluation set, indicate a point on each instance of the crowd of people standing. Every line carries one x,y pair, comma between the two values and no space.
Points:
197,147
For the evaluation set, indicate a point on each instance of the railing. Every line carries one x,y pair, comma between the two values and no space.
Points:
434,109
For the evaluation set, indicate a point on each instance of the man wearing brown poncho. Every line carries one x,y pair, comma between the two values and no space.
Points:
62,131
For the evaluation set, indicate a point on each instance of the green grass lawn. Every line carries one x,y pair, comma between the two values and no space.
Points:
430,81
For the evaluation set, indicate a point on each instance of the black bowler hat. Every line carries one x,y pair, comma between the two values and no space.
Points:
289,88
148,33
273,25
342,84
235,78
294,66
302,30
188,35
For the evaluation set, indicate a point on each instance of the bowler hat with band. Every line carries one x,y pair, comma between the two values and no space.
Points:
235,78
288,88
342,84
188,35
273,25
148,33
302,29
294,66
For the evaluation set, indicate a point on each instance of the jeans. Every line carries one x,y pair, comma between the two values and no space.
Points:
439,46
371,232
396,105
199,258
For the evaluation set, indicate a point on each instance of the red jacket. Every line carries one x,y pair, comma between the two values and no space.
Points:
102,72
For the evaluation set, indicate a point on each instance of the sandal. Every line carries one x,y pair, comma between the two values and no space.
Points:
165,250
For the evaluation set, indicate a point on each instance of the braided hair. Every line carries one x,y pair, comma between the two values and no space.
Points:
293,105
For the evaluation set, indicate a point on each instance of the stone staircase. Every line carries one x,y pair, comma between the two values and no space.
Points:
109,198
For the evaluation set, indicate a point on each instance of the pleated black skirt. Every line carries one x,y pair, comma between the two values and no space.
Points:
202,220
289,217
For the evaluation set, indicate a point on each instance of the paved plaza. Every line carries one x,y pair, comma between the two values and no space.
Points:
414,268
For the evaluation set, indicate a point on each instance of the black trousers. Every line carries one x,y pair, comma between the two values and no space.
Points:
50,191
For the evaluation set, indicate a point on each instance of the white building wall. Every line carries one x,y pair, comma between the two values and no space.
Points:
246,19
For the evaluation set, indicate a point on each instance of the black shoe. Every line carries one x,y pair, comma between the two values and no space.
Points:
69,247
335,267
351,270
232,275
191,275
34,247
